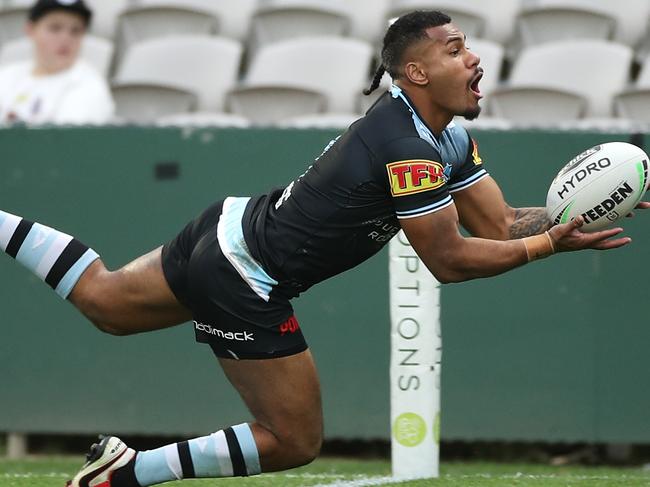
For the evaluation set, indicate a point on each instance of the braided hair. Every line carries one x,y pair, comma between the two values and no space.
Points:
406,30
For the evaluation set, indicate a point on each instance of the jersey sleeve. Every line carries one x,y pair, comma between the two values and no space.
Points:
471,169
415,177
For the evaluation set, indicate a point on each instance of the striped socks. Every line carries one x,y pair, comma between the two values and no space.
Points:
56,258
227,453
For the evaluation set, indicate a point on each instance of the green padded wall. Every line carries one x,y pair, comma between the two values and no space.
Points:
552,351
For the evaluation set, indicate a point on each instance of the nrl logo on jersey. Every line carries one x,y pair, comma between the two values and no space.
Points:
415,176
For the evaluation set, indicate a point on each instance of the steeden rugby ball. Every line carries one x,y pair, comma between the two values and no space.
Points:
602,184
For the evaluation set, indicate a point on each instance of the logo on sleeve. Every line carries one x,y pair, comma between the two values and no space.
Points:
475,155
416,176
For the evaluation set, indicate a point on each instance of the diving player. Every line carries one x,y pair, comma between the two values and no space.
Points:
234,269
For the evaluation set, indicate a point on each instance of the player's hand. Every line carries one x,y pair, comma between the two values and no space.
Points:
568,237
644,205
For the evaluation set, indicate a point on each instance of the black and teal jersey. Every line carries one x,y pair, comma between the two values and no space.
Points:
387,166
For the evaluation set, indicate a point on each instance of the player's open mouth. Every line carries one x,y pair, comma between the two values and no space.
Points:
473,84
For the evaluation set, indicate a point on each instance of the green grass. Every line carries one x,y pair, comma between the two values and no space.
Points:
54,471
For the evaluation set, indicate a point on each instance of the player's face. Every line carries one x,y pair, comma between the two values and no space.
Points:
57,39
452,72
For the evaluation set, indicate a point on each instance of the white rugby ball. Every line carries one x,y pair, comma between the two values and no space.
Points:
602,184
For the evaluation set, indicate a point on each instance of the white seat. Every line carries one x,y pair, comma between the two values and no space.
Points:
476,18
536,105
368,19
148,20
16,4
12,22
547,23
590,69
233,16
144,104
630,15
203,119
607,124
340,121
267,105
96,51
206,66
105,15
277,20
485,122
339,78
634,103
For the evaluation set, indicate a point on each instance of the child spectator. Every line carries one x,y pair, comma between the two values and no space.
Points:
55,86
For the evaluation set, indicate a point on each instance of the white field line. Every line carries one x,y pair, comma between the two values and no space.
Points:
520,475
363,482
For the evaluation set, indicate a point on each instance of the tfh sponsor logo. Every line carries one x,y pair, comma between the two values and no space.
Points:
416,176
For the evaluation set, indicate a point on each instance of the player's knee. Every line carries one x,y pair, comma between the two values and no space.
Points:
99,304
305,448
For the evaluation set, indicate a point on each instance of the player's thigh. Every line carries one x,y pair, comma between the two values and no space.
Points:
283,394
133,299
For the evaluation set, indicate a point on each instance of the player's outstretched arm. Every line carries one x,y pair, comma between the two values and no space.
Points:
451,257
484,212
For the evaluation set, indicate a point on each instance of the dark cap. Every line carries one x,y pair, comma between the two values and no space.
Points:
42,7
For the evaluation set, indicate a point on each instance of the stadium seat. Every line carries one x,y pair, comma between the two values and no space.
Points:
146,20
368,19
546,23
630,16
532,105
634,103
267,105
205,66
273,73
607,124
233,16
12,22
105,15
643,46
203,119
96,51
339,121
277,20
476,18
144,104
555,77
485,122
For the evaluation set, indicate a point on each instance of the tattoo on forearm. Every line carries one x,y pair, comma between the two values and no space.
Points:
529,221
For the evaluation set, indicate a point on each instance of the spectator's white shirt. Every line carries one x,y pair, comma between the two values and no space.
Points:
78,95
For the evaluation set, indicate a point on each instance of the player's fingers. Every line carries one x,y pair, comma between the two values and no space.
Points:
559,231
612,244
643,205
603,234
630,215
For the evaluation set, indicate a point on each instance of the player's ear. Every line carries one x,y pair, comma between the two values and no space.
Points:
415,74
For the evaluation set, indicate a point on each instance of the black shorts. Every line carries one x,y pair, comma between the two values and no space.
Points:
228,314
